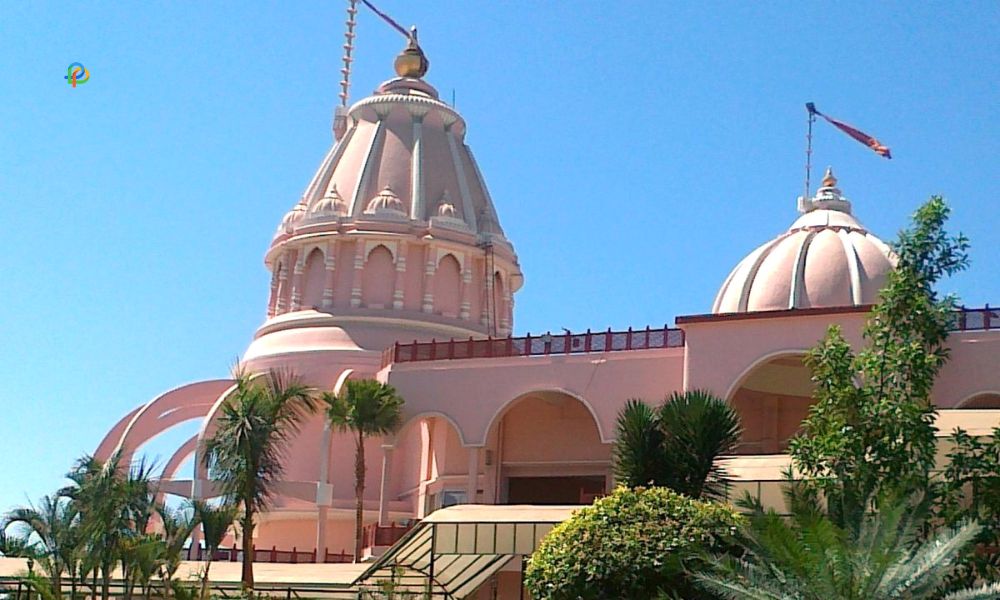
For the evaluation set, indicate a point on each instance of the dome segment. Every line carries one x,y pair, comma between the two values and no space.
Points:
827,258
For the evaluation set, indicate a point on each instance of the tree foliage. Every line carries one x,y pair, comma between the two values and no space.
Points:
366,408
677,444
810,556
871,430
632,544
245,454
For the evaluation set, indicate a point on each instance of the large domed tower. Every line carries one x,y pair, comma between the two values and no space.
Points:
826,259
394,239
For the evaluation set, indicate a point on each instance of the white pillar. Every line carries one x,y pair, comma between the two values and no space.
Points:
384,496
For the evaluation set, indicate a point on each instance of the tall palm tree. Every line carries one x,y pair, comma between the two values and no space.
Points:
215,522
244,455
366,408
177,527
678,444
50,527
811,557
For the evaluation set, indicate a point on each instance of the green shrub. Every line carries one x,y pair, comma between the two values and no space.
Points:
632,544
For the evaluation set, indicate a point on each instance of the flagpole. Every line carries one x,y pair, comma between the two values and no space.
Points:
811,111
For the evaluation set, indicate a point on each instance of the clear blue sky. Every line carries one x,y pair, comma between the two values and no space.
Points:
635,150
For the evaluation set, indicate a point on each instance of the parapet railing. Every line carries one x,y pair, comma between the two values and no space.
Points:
976,319
966,319
538,345
268,555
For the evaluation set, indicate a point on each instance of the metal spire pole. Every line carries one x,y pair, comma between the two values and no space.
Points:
810,109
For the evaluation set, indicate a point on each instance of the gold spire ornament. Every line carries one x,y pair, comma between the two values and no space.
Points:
412,62
829,180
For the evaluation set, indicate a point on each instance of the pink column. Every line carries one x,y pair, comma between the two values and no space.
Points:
331,266
429,267
400,281
300,268
466,305
472,483
281,304
273,298
359,265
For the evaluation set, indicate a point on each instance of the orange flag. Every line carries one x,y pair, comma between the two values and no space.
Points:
857,134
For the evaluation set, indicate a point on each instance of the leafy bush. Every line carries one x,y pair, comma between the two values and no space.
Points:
632,544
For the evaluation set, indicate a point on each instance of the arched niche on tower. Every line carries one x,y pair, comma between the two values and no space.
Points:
448,287
313,279
772,399
378,278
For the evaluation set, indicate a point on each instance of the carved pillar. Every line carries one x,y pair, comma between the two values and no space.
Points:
384,496
466,306
400,282
503,312
281,304
273,298
300,268
359,265
485,317
331,265
429,267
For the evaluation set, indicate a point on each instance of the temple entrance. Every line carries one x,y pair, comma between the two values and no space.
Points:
554,490
545,448
773,400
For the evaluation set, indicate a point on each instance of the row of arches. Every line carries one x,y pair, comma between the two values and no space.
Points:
383,284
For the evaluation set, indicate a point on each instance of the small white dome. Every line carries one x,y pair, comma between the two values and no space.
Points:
293,216
826,258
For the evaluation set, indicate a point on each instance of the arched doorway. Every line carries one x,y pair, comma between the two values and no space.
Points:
984,401
773,400
545,448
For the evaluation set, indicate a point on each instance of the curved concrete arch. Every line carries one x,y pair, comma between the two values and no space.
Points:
757,362
967,398
176,406
111,439
503,408
413,420
178,458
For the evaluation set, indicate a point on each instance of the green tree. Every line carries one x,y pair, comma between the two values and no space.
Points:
810,556
634,543
215,522
678,444
244,455
177,525
365,408
871,430
51,529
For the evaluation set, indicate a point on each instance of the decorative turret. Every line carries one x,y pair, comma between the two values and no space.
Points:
396,236
826,258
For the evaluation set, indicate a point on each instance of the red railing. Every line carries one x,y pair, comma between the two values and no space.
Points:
384,535
538,345
977,319
269,555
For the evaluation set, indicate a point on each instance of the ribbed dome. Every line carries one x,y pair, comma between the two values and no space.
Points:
826,258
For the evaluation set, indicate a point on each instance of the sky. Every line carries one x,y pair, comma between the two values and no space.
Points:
635,152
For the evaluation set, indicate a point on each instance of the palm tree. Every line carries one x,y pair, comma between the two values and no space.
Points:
811,557
365,408
244,455
215,522
177,528
678,444
50,528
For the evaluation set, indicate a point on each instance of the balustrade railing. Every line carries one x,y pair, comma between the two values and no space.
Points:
268,555
384,535
966,319
537,345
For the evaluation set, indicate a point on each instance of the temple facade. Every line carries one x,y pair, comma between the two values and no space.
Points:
394,265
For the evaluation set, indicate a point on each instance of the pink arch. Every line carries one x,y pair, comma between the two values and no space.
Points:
107,446
178,458
181,404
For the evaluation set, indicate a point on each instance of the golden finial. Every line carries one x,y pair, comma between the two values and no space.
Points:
411,62
829,180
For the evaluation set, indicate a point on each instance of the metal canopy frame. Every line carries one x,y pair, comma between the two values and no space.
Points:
456,550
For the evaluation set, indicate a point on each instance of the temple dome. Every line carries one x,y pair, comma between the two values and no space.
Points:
827,258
